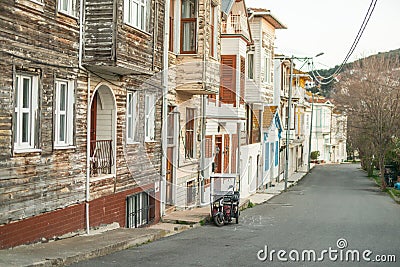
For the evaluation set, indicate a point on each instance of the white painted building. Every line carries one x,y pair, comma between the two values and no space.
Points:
260,95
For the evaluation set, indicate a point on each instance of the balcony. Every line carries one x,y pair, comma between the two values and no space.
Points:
110,45
236,24
197,78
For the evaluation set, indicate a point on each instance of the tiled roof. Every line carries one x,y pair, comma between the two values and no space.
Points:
268,115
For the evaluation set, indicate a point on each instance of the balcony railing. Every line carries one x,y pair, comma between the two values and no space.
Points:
236,24
101,157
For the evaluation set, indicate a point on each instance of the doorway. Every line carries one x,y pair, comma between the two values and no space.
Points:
218,154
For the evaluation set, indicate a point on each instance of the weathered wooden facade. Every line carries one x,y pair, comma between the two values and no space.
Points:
194,52
80,116
260,91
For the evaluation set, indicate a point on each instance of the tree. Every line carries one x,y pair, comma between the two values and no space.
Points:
369,92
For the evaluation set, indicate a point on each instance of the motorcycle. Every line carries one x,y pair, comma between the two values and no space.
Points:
225,208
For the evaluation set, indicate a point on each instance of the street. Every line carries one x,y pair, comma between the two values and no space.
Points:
333,202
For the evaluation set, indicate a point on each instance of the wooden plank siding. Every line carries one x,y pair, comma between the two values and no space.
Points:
39,40
44,43
112,46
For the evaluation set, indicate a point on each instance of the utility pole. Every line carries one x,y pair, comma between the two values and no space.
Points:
288,122
289,113
310,137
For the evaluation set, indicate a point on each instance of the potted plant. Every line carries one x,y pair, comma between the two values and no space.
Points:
314,156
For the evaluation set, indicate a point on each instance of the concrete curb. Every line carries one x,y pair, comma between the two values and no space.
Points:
98,252
81,249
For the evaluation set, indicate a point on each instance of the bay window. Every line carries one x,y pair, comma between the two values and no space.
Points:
188,26
135,13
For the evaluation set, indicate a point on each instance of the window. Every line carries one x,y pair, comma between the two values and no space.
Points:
25,112
188,26
171,25
266,159
140,209
64,104
149,106
189,133
214,31
250,66
208,146
135,13
132,114
276,153
66,6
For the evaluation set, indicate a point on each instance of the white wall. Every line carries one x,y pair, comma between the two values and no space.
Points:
248,167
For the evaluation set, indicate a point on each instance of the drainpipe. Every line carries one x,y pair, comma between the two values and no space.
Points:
203,111
80,33
289,122
238,169
164,110
88,155
87,184
202,148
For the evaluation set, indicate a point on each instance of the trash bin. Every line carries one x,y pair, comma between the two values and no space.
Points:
390,175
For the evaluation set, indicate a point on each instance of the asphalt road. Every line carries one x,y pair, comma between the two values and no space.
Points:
333,202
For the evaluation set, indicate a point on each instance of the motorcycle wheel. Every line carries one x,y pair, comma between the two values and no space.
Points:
237,219
218,220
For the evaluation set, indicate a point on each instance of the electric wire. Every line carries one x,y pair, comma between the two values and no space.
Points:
352,48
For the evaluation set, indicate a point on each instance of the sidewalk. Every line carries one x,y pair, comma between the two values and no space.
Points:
100,243
278,188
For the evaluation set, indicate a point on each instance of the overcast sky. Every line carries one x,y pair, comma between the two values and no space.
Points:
316,26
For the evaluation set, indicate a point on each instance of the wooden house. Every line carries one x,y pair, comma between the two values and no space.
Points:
80,116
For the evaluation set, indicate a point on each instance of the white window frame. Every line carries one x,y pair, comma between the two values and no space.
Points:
149,125
66,6
132,117
67,112
214,37
250,64
31,109
136,17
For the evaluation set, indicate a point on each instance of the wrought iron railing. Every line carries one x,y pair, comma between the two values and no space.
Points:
101,157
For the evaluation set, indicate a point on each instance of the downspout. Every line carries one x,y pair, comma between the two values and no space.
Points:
88,155
80,33
202,149
203,111
87,184
238,157
164,110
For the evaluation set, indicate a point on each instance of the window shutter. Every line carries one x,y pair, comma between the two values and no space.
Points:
242,78
228,79
208,145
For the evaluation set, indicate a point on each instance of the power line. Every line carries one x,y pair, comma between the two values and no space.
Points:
353,46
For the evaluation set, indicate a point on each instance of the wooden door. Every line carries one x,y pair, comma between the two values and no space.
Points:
169,174
234,147
218,154
226,153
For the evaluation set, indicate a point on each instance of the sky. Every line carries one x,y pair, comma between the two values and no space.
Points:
330,26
